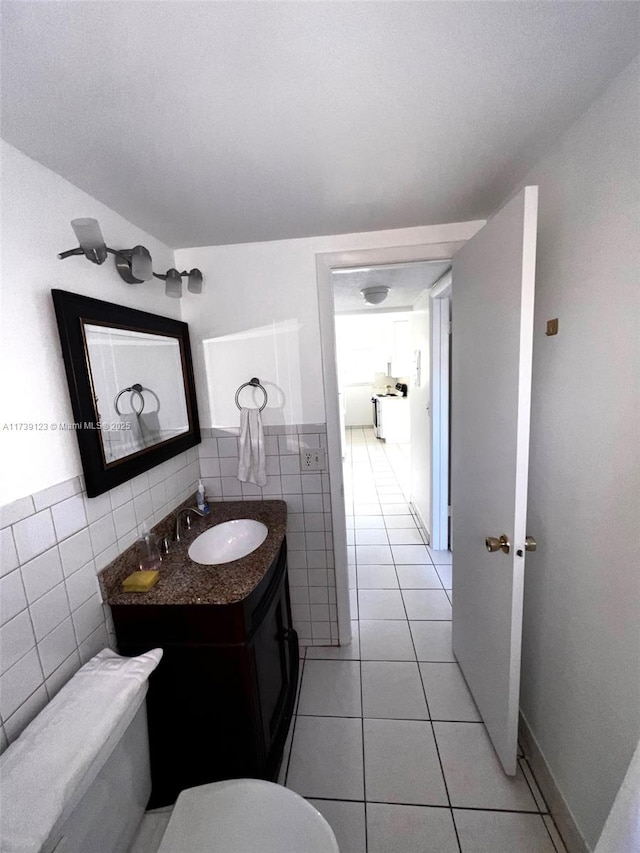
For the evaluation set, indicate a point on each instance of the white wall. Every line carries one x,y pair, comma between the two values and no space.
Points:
581,646
258,316
420,406
37,207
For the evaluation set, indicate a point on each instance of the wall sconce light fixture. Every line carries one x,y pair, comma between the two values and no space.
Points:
133,265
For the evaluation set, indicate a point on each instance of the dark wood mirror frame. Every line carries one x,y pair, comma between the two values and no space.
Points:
71,310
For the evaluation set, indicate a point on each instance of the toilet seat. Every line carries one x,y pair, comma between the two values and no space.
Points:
246,816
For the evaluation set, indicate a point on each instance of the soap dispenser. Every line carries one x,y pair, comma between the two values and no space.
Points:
201,498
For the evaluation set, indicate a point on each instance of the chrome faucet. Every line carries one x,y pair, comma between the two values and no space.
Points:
187,510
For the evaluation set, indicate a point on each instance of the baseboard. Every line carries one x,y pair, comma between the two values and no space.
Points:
415,511
560,811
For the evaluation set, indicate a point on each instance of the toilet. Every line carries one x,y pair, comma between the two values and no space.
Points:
100,806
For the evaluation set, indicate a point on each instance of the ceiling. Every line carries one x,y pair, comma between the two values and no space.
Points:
406,283
219,122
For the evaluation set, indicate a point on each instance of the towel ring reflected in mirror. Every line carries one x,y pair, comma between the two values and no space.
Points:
253,383
135,390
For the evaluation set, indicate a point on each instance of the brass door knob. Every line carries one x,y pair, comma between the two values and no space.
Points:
530,544
493,544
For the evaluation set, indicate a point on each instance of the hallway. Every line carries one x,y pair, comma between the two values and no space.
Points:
386,741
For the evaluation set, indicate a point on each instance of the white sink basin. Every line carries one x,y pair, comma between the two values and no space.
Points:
228,541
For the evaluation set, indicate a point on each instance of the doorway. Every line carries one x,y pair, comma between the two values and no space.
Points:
326,264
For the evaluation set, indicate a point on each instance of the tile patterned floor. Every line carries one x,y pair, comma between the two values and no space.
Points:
387,742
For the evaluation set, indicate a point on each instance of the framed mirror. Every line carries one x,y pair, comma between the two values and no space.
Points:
131,384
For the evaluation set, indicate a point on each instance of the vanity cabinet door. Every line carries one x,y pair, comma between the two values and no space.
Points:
275,654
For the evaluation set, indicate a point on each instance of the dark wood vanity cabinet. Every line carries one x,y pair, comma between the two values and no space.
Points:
221,700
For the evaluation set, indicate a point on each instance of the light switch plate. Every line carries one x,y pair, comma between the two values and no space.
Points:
552,327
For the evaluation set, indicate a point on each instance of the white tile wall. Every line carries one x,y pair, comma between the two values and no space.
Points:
309,525
53,544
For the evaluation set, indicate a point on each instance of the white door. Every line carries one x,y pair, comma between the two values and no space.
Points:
493,292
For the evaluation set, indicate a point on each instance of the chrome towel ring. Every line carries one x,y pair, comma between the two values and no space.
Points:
254,383
135,389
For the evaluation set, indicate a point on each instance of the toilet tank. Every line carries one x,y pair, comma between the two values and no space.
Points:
77,779
106,817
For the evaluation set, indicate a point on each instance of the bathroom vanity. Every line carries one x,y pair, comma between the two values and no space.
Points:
221,700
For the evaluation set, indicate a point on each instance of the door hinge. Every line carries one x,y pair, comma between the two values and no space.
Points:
449,511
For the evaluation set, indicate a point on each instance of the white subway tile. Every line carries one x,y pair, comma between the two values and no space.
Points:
16,638
19,682
75,551
57,493
143,507
124,518
34,535
228,467
12,596
69,517
8,554
88,617
49,611
16,511
97,507
56,647
62,674
291,484
231,487
311,484
227,447
95,642
289,464
42,574
210,466
273,465
81,585
103,534
140,484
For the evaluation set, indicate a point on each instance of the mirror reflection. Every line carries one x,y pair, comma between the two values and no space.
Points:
138,388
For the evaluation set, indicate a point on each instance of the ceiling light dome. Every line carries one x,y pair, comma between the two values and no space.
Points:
375,295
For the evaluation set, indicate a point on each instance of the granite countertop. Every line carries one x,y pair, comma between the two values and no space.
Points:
184,582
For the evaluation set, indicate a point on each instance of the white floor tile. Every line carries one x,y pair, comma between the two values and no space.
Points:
350,652
373,555
368,522
326,758
330,688
447,694
393,522
410,829
427,604
386,640
381,604
347,822
367,508
405,536
406,555
432,641
372,537
393,690
440,558
475,778
377,577
418,577
353,603
401,763
445,575
496,832
397,509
